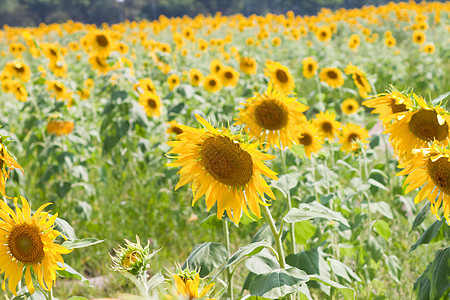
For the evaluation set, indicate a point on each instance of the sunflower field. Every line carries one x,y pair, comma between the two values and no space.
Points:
228,157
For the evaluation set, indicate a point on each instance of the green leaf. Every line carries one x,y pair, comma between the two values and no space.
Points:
286,182
65,228
428,235
311,211
304,230
206,256
77,298
394,267
75,244
439,99
69,272
278,283
342,270
262,263
423,213
299,150
377,184
311,261
376,246
156,280
380,207
382,228
348,293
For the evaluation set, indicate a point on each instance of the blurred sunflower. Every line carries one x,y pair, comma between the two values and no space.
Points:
272,117
59,127
225,168
26,244
99,63
174,127
352,136
58,89
323,33
229,76
309,137
17,70
430,168
418,37
390,41
419,126
144,85
359,79
19,90
310,67
390,105
248,65
332,76
216,66
188,284
326,124
195,77
101,42
353,42
173,81
279,76
151,103
7,164
349,106
428,48
212,83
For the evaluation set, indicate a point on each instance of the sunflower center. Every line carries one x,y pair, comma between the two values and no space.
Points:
151,103
25,244
323,33
212,82
310,67
19,68
359,79
58,87
53,52
396,108
102,40
350,107
228,75
306,139
271,115
130,259
196,77
332,74
100,62
327,127
177,130
425,126
226,162
353,137
149,88
217,68
439,172
281,76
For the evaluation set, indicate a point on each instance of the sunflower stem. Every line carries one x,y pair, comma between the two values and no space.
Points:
365,176
226,233
288,193
50,295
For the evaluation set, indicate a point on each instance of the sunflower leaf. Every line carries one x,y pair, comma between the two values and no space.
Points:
428,235
348,293
206,256
423,213
82,243
311,211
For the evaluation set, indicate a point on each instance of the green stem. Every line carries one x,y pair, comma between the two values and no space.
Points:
50,295
288,193
226,233
365,177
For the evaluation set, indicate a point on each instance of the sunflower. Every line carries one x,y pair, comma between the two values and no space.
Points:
359,79
51,51
272,117
212,83
279,76
195,77
26,243
390,41
332,76
310,67
229,76
326,124
428,48
151,103
84,94
323,33
59,68
145,85
420,125
248,65
174,128
101,42
173,81
222,166
7,164
389,105
352,136
418,37
188,286
59,127
99,63
215,66
58,90
276,41
20,92
309,137
349,106
17,70
430,168
354,41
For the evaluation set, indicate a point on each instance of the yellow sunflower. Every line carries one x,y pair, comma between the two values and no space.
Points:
195,77
188,286
309,137
326,124
279,76
323,33
349,106
430,168
359,79
216,66
352,136
222,166
26,244
174,127
58,89
354,41
59,127
390,41
229,76
419,126
389,105
151,103
99,63
173,81
212,83
428,48
17,70
418,37
145,85
7,164
332,76
310,67
101,42
272,117
248,65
